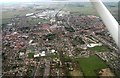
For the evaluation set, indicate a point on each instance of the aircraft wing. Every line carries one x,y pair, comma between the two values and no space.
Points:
110,22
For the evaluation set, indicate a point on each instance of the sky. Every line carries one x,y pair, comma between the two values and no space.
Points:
4,1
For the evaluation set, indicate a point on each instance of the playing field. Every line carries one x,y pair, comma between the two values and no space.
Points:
100,49
90,65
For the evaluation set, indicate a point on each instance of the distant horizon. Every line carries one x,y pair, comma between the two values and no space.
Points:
21,1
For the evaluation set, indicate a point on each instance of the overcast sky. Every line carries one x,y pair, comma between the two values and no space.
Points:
53,0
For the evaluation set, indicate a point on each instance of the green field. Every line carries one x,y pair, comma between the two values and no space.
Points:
100,49
76,73
90,65
12,13
31,55
7,15
82,10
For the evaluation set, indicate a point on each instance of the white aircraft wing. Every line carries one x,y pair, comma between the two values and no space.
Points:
110,22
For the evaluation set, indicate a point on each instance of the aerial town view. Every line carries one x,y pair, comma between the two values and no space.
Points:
57,39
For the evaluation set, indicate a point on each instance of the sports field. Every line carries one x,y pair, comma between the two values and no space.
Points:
100,49
90,65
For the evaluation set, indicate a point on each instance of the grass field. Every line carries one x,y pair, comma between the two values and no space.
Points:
13,13
36,21
90,65
7,15
100,49
82,10
76,73
31,55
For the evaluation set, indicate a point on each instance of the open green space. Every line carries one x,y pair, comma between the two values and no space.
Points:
100,49
54,56
31,55
11,13
90,65
82,10
76,73
15,12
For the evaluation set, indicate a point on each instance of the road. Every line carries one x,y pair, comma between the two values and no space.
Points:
47,69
